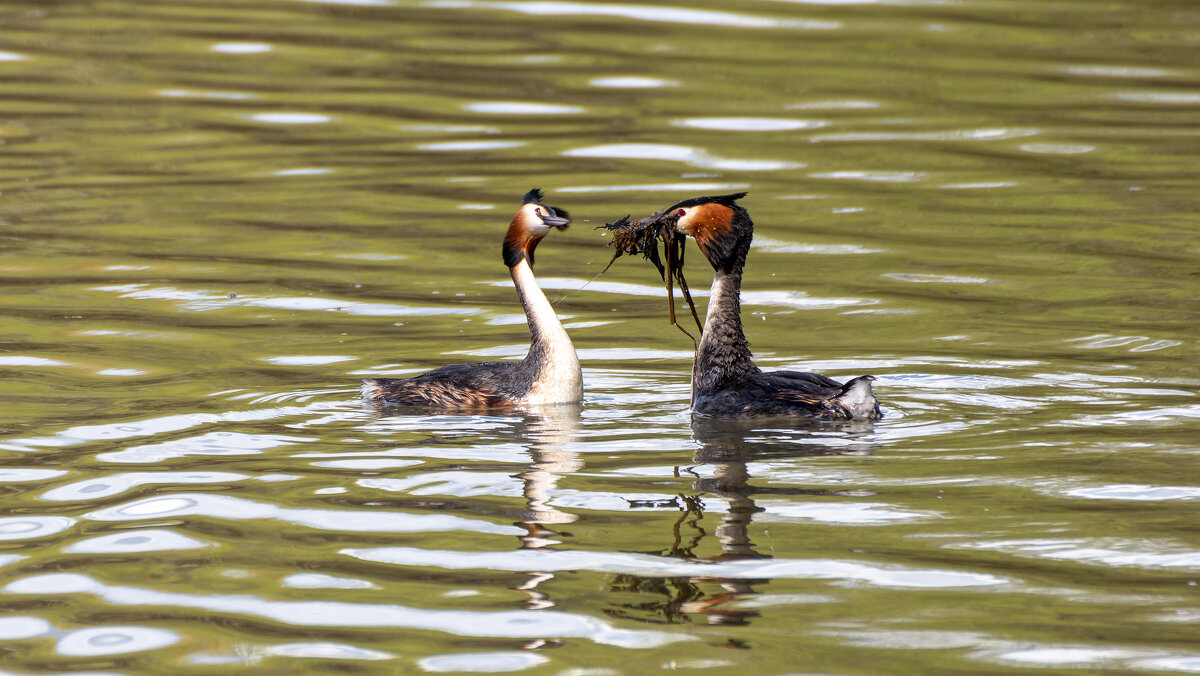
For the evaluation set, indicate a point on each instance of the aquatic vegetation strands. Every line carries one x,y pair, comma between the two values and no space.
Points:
643,237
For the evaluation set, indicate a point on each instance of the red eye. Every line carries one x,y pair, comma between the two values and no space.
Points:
682,213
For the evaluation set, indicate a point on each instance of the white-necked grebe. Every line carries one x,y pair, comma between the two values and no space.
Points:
549,374
725,381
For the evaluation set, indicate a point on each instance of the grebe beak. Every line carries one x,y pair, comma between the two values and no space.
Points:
556,221
554,218
668,218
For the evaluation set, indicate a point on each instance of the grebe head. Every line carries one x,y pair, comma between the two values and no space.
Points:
721,227
533,220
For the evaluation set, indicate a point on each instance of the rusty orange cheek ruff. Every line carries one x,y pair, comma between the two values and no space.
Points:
705,223
519,242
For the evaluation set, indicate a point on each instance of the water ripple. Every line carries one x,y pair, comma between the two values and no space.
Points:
204,301
658,187
748,123
493,662
322,581
227,507
21,360
1168,98
1109,553
1116,71
114,640
120,482
919,278
954,135
241,47
188,93
1136,492
653,566
308,359
640,13
1067,655
164,424
290,118
521,108
677,153
460,146
1102,341
460,484
30,527
325,651
367,464
143,540
776,246
212,443
510,623
854,513
631,82
874,176
20,474
1057,148
16,627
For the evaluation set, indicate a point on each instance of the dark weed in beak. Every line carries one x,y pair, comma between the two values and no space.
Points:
643,237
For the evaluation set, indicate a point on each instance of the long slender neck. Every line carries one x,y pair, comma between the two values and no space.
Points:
551,353
544,326
723,355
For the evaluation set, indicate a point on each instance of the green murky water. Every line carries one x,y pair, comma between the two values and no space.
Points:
216,217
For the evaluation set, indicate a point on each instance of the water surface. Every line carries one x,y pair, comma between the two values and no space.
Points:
216,218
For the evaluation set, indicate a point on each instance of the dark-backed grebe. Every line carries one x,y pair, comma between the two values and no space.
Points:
725,381
549,374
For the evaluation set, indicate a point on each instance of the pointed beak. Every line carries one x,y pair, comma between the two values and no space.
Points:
556,221
667,218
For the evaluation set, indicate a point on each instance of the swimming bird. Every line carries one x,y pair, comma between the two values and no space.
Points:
549,374
725,381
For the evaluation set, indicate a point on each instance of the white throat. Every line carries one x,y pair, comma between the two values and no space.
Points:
558,379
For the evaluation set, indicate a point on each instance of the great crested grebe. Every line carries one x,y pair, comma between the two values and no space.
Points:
549,374
725,381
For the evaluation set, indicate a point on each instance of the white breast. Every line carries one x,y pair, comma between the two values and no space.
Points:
559,379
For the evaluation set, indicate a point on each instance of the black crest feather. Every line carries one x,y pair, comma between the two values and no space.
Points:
534,195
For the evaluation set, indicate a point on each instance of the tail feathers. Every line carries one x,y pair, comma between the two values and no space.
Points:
859,399
371,390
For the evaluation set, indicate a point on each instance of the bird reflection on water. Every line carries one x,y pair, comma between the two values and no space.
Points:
727,447
720,470
549,430
545,432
